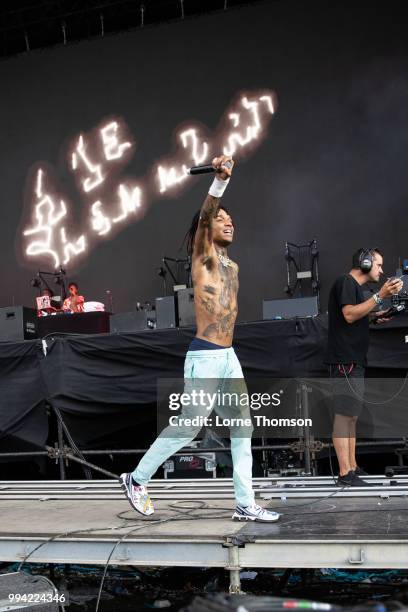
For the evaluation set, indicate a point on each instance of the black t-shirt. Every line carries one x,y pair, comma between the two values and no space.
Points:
347,342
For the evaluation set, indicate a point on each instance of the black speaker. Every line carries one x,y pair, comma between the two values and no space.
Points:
136,320
291,308
186,311
166,312
17,323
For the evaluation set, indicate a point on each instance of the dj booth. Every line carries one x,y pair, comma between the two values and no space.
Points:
22,323
79,323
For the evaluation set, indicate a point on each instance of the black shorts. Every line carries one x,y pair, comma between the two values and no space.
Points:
347,389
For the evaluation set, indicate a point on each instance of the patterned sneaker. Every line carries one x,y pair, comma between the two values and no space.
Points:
254,513
137,495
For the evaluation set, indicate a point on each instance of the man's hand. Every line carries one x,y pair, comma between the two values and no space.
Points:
223,172
378,317
391,287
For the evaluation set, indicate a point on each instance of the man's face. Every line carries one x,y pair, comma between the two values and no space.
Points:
376,270
73,290
222,229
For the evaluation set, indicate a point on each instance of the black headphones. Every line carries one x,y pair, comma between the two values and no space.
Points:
365,260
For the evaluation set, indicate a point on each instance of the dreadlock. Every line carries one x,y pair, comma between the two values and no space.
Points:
190,235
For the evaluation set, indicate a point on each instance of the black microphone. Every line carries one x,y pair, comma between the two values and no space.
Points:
206,169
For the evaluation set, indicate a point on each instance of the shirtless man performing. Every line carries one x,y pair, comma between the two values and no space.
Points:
210,355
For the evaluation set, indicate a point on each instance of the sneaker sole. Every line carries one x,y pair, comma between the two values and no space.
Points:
253,519
364,486
354,486
125,490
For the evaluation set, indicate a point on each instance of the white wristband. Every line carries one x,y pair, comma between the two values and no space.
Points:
218,187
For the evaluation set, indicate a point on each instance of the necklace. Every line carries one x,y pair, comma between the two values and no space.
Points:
225,261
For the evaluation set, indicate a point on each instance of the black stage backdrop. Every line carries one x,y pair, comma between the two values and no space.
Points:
105,385
23,419
333,166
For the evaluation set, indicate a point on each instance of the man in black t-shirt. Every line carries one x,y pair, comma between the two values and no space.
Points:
348,340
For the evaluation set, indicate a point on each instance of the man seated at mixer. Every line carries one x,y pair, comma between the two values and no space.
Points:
47,303
74,302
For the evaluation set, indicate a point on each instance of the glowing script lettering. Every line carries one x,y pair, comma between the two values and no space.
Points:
130,201
100,223
170,174
96,179
109,200
191,135
252,130
168,177
111,146
47,215
71,248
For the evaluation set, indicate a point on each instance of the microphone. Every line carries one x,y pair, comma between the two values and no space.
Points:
201,169
206,169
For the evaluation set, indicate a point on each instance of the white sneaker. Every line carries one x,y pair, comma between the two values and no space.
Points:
137,495
254,513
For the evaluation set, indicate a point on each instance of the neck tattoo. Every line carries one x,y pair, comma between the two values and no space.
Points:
225,260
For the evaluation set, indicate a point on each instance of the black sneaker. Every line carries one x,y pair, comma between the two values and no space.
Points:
360,472
346,480
351,480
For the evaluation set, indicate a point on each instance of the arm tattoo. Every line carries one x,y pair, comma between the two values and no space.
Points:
204,233
208,210
209,289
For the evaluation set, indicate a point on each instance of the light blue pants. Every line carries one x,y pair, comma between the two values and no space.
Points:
222,371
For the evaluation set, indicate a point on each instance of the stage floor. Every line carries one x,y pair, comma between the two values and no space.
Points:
91,522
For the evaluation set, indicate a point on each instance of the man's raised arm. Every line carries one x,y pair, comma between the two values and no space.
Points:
203,241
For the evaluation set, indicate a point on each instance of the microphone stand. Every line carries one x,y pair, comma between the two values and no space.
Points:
110,299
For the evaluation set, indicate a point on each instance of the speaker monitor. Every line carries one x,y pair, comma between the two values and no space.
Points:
290,308
127,322
186,312
166,315
191,466
17,323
